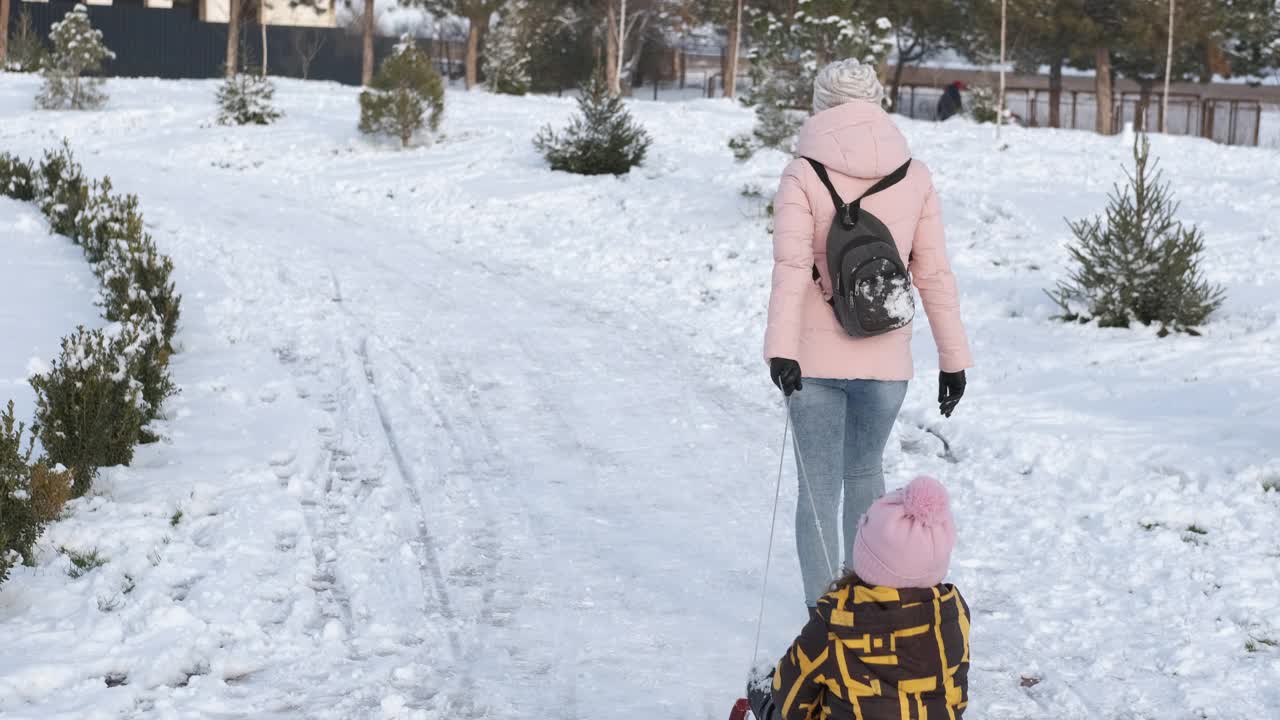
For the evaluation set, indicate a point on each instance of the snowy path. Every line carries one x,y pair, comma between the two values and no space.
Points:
521,444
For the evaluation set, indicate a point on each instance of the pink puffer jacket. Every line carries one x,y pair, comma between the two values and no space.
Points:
859,144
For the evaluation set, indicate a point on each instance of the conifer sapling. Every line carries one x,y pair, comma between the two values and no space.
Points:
406,87
1139,263
245,99
77,49
601,139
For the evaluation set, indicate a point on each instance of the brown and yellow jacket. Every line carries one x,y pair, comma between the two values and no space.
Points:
876,653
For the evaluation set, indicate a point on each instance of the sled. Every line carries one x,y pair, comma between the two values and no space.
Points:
741,710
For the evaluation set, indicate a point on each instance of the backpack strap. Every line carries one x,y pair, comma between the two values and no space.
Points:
848,212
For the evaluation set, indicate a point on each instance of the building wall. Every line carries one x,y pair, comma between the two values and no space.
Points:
274,12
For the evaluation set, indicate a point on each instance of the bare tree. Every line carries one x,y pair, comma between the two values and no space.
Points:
306,46
624,21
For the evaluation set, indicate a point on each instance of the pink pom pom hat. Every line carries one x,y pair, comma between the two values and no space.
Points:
906,538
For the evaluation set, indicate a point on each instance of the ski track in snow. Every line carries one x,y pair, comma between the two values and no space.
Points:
498,441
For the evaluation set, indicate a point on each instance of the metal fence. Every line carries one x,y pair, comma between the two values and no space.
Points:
1231,122
174,43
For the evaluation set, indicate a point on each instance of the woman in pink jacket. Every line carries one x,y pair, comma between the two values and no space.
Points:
848,390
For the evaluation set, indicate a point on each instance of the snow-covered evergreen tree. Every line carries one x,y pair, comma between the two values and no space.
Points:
788,54
1141,265
507,54
245,98
77,49
405,88
982,104
602,139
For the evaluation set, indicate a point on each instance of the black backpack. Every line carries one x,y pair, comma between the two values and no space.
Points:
871,289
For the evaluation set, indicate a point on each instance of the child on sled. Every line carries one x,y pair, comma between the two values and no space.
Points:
890,640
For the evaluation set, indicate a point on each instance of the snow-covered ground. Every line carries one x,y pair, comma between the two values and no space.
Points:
462,437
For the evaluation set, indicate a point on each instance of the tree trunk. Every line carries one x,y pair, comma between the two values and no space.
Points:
896,92
233,36
1144,103
1168,71
622,47
262,22
1102,90
735,32
4,32
475,26
1055,93
611,48
366,63
1004,23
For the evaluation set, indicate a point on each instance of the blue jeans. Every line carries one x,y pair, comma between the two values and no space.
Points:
841,427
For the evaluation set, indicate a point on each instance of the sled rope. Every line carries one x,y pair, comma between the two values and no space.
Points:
773,524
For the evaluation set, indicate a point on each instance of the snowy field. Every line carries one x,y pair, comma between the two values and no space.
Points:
460,437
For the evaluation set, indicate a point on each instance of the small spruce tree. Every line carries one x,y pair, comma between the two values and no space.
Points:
602,139
982,105
406,87
77,49
508,51
1140,264
26,50
245,99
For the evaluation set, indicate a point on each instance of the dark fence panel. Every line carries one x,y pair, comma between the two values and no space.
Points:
1231,122
174,43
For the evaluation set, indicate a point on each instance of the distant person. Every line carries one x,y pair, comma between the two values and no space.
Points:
844,391
950,103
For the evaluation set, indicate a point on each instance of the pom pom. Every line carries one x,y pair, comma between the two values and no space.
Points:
926,502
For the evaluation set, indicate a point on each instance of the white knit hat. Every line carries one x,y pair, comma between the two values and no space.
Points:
845,81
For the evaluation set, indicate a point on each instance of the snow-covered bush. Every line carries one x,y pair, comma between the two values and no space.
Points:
507,52
17,178
136,279
137,290
26,50
602,139
30,495
88,405
61,190
19,527
982,105
77,50
245,99
1140,264
404,89
776,128
94,403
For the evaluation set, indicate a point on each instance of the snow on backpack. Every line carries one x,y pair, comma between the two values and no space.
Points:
871,289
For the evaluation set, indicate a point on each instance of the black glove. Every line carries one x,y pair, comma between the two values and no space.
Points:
786,374
950,390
